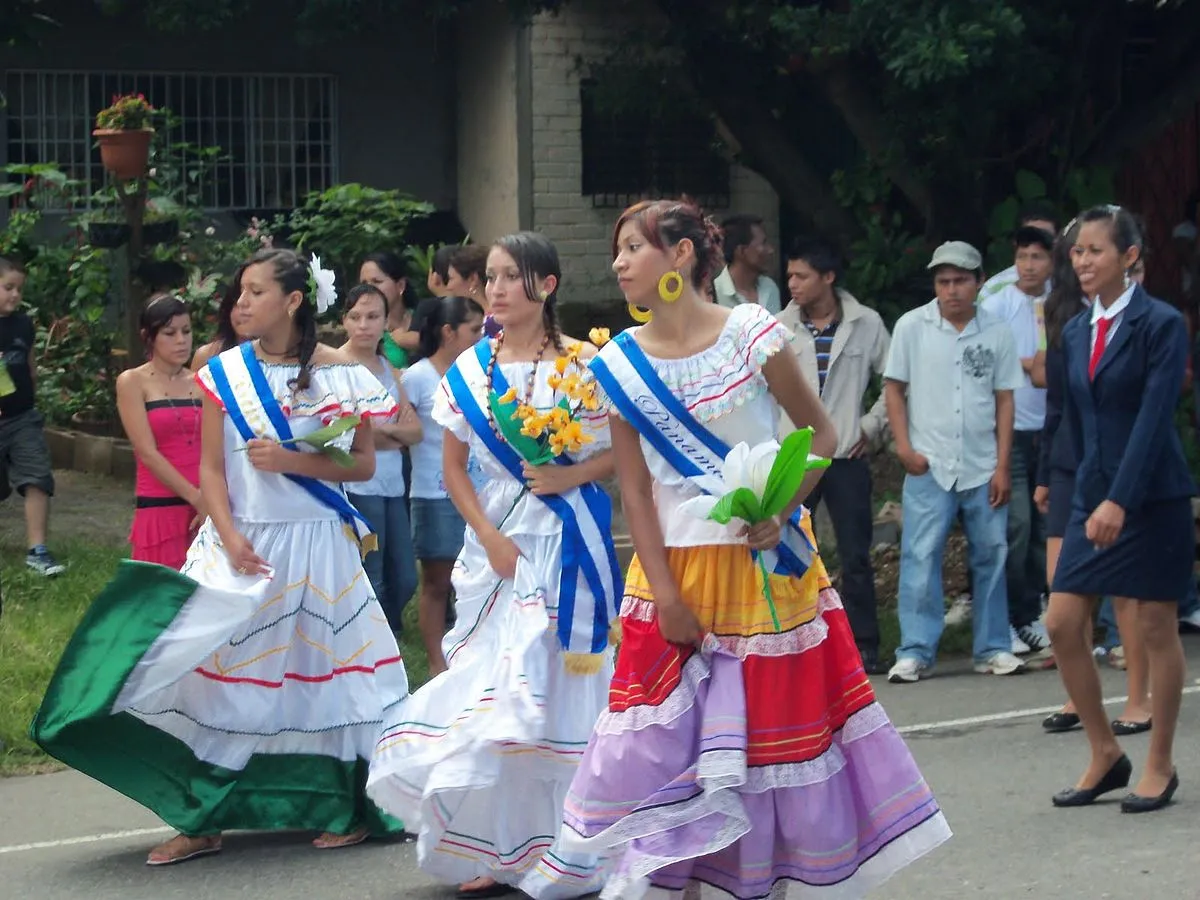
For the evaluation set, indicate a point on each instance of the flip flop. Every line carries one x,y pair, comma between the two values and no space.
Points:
205,850
1121,728
352,840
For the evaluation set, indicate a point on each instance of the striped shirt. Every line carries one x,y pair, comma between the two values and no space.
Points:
823,344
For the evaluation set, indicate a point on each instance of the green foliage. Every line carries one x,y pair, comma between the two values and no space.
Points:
1082,188
345,223
130,112
887,261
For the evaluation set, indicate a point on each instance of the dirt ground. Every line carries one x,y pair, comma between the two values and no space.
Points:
85,508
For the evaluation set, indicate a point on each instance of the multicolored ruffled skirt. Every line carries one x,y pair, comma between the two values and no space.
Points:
758,765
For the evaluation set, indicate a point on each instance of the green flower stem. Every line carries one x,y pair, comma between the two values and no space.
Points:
762,567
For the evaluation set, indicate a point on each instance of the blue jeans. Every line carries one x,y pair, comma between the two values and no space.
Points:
392,569
929,512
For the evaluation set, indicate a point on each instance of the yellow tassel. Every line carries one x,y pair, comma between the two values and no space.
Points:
583,663
366,545
614,633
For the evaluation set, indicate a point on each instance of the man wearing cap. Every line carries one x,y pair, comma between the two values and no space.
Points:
949,384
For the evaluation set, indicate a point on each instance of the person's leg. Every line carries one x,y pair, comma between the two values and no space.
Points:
928,512
400,564
1066,619
1137,663
1160,634
987,546
374,510
847,486
31,474
1054,722
1019,530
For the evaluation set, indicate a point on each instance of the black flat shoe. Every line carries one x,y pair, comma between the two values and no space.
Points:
872,664
1135,803
1114,779
1058,722
1121,728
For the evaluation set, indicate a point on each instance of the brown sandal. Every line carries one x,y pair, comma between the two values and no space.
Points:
331,841
183,847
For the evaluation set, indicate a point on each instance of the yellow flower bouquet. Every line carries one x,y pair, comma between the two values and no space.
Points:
539,436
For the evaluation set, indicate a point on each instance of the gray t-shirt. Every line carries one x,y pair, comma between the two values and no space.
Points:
952,380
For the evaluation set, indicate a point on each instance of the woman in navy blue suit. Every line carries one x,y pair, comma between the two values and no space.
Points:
1130,532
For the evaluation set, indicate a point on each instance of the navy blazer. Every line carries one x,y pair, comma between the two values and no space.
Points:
1123,421
1056,450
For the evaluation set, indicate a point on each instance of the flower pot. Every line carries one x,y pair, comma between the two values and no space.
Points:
124,153
159,232
107,235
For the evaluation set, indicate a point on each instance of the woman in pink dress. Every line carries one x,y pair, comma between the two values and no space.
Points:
160,411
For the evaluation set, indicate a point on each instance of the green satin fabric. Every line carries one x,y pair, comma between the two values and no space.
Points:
74,725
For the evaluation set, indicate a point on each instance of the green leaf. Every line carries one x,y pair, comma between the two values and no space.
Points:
531,450
1030,186
323,436
746,506
339,456
722,513
791,465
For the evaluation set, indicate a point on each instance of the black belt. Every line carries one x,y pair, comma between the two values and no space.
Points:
154,502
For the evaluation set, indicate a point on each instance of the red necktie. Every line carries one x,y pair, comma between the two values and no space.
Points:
1098,348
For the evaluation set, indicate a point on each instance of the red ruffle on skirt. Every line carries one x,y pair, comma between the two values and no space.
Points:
162,535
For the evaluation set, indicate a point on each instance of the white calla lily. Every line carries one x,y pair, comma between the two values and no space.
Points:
758,467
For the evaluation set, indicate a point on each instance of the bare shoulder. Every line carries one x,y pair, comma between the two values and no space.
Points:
325,355
586,348
203,355
132,379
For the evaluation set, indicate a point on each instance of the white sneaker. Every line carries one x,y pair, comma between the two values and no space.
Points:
1034,636
1191,621
959,611
1000,663
906,671
1019,647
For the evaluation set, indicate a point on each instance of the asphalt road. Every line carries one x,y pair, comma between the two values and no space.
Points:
976,738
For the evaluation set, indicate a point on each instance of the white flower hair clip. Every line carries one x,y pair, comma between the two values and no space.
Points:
321,284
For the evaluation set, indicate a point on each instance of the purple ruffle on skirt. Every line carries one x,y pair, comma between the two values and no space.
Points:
667,790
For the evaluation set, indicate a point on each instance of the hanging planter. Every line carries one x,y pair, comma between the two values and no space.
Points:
123,132
124,153
107,235
159,232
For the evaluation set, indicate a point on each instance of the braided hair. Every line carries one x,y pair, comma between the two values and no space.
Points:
667,222
291,272
537,257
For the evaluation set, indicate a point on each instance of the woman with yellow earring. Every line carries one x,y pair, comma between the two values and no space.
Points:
670,289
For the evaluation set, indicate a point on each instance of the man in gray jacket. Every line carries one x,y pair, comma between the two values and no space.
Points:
840,344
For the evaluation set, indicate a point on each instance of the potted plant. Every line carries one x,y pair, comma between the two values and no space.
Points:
161,223
105,229
123,132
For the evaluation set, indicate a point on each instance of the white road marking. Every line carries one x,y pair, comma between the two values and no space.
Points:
919,728
86,839
1001,717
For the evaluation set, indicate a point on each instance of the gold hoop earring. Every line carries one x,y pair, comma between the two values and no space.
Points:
670,287
638,314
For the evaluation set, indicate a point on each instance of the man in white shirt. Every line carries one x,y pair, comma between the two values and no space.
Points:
748,256
949,384
1035,215
840,344
1022,306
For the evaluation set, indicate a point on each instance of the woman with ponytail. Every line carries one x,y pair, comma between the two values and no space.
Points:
483,777
453,324
245,692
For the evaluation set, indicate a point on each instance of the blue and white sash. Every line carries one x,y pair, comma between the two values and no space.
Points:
591,584
240,366
647,404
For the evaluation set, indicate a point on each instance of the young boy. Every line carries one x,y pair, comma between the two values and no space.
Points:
23,451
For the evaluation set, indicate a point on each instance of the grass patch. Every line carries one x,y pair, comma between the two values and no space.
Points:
40,614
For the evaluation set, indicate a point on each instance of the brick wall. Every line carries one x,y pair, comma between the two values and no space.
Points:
559,44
